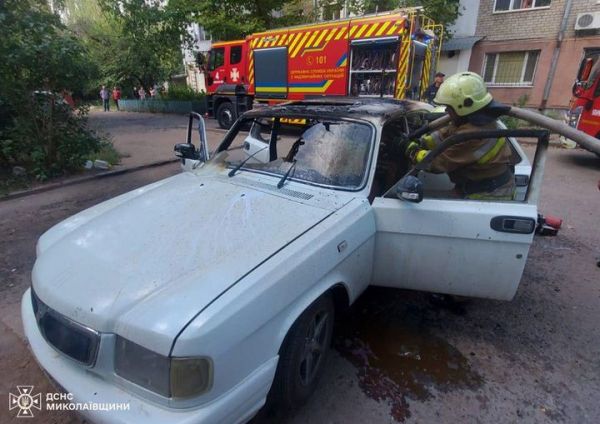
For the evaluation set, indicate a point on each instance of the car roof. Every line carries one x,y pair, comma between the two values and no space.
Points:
338,107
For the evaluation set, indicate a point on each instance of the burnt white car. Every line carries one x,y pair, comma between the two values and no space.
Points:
197,298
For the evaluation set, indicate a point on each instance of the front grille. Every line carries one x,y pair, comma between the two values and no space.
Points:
65,335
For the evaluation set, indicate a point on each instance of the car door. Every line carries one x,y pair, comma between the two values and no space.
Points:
454,246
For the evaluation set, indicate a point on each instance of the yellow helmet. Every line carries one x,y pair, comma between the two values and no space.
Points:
464,92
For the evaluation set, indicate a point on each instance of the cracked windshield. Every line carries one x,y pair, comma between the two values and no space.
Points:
315,151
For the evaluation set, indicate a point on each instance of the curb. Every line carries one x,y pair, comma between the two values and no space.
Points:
74,181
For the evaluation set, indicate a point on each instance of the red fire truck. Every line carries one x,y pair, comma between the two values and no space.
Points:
387,55
584,113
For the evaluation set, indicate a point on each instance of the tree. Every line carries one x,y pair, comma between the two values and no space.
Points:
134,42
41,60
234,19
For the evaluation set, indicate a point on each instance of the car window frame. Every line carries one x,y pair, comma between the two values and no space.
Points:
375,134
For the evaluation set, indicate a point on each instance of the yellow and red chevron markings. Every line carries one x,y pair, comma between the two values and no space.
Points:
315,38
403,62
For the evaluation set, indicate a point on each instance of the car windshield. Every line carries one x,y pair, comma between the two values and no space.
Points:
314,151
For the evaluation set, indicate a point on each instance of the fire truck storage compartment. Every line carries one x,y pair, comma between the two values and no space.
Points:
270,73
374,64
418,60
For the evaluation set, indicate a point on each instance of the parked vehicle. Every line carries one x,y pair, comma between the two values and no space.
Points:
584,113
200,296
386,55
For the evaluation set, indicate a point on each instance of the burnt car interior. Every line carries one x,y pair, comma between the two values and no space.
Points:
391,162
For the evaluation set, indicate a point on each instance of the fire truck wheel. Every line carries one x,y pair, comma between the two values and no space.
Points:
226,115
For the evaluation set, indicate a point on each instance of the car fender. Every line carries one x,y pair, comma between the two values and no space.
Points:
245,327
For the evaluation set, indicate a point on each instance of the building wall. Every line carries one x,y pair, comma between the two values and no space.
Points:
534,29
464,26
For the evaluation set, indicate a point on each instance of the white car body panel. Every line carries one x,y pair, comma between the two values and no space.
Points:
471,259
126,282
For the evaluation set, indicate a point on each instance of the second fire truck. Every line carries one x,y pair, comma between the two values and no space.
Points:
387,55
584,113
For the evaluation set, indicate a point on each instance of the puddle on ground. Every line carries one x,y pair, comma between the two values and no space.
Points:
386,337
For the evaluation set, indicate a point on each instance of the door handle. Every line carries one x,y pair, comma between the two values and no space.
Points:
513,224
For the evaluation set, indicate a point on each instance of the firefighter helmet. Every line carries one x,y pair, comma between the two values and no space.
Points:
464,92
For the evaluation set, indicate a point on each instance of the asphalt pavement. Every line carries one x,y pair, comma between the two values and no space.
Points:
398,356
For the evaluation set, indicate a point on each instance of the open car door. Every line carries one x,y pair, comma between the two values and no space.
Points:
457,246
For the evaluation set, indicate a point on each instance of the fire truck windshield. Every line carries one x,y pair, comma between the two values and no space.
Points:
331,153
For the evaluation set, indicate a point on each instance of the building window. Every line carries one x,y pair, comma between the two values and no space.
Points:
510,68
506,5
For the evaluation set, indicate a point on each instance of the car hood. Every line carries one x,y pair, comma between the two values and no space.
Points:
144,264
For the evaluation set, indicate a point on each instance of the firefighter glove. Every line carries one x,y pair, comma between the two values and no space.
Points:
411,149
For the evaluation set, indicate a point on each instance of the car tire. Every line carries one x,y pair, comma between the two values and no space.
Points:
226,115
303,355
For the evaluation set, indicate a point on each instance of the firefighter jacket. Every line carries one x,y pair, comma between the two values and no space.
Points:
477,167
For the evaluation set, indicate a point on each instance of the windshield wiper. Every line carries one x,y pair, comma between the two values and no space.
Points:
242,163
282,180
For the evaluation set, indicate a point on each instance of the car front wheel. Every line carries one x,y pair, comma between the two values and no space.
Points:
226,115
303,355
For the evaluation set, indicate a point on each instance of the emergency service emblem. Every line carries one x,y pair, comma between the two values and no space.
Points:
234,74
25,400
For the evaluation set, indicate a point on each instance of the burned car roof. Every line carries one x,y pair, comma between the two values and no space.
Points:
336,107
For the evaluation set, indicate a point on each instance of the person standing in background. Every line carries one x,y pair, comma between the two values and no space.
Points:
116,95
105,96
142,93
433,88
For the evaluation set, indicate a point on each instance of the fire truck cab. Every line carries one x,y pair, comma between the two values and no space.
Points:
585,105
389,55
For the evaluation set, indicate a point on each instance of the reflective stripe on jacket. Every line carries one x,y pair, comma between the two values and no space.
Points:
471,160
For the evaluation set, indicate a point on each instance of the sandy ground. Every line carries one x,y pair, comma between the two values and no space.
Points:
399,356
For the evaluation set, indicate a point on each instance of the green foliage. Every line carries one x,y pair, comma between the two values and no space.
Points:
108,153
182,92
38,130
133,42
234,19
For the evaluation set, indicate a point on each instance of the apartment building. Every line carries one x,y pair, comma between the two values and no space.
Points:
524,56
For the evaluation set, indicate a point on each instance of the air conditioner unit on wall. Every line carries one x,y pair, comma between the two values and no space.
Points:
585,21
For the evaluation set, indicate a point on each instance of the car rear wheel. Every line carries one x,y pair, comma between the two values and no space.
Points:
303,355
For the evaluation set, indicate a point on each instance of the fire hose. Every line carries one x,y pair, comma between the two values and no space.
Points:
584,140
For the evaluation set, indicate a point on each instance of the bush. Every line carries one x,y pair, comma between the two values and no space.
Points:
48,139
182,92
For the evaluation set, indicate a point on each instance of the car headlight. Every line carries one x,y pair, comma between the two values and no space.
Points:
170,377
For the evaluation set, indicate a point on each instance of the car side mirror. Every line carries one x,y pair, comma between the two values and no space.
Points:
410,188
186,151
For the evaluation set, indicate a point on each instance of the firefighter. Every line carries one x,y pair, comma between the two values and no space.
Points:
481,169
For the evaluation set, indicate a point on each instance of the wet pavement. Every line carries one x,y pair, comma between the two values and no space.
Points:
395,352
